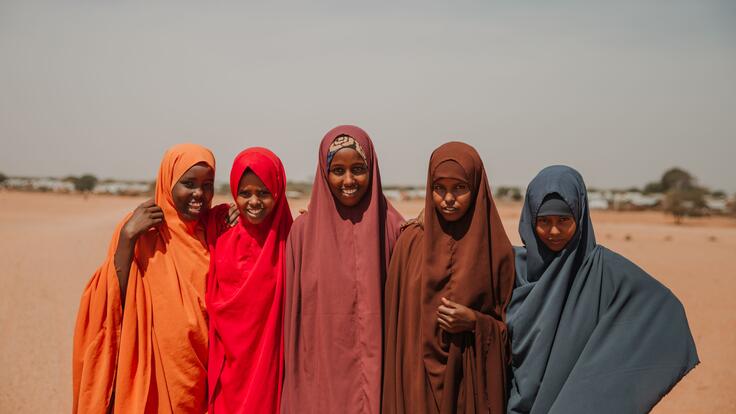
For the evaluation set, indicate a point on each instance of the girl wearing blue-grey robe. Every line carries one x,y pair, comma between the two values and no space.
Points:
591,332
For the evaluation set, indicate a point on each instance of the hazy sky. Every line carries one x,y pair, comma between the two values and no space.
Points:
621,89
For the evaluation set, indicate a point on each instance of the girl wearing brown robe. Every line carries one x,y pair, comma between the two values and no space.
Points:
450,278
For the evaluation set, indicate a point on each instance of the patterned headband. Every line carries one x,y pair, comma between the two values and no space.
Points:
344,141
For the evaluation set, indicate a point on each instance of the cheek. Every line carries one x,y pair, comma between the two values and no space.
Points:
362,180
464,201
269,205
437,199
241,202
179,194
334,181
541,232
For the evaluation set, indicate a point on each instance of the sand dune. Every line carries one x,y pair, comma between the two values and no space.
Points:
51,245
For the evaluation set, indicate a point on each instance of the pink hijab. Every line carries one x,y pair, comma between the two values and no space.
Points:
245,299
336,263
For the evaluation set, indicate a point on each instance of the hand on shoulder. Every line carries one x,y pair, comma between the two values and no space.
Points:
147,216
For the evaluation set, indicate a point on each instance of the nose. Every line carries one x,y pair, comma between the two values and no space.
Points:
253,200
554,230
449,198
197,192
349,180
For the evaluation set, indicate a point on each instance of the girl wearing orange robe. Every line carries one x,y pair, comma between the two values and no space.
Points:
145,351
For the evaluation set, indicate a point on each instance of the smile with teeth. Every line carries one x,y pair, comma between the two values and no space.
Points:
254,211
349,192
195,205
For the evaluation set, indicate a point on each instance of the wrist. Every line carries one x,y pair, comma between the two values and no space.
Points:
127,235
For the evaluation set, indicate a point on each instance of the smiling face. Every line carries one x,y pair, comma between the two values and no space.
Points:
192,194
556,231
451,198
348,177
254,199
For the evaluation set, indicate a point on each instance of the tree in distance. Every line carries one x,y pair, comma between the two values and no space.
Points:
85,183
683,197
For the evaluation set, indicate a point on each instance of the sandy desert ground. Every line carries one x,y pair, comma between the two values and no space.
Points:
51,244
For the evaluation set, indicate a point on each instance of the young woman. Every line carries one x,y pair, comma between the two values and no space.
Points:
140,342
336,260
449,282
245,290
590,331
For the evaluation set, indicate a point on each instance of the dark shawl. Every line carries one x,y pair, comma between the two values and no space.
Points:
336,262
590,331
470,262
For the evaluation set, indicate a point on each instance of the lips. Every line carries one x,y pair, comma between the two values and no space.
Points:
254,212
449,210
349,192
195,206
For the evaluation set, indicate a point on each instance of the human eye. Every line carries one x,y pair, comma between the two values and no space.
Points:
264,193
187,184
360,169
338,170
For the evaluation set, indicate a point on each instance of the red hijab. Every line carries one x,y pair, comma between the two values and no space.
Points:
337,258
245,298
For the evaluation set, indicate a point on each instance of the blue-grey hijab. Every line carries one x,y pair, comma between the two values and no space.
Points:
590,331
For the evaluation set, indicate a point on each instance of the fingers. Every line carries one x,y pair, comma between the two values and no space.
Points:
444,325
149,207
448,303
445,318
232,216
148,203
442,309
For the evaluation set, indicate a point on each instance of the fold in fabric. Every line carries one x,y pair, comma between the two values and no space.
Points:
471,262
153,355
245,298
336,261
590,331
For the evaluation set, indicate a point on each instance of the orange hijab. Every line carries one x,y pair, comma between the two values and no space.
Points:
152,354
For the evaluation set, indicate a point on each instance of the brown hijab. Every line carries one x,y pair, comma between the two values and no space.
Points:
336,262
470,262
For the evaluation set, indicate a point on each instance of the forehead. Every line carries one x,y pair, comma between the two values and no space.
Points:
554,217
199,171
250,178
347,156
448,181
